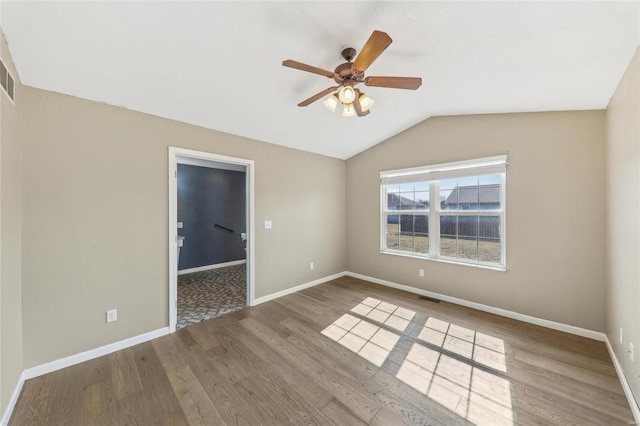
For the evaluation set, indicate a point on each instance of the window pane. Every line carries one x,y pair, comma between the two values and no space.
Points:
449,194
468,227
392,240
468,197
489,251
468,181
406,242
406,187
406,224
495,179
407,201
468,237
421,224
421,186
393,188
489,239
3,75
489,227
448,184
449,199
406,232
422,200
490,192
421,243
461,194
448,235
393,202
392,234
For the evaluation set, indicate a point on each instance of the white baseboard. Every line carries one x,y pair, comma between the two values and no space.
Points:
623,380
208,267
61,363
595,335
107,349
12,402
295,289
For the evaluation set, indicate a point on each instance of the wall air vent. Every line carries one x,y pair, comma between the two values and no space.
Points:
6,80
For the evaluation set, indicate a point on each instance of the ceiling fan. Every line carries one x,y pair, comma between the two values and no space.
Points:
350,74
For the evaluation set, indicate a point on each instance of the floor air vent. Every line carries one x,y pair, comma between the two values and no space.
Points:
429,299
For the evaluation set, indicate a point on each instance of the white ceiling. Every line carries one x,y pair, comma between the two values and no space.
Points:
218,64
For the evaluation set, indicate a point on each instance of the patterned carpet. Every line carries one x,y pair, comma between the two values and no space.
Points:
210,294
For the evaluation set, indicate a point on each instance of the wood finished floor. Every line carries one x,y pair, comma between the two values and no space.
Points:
312,358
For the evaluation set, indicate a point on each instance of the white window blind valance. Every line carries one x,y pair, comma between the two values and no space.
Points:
480,166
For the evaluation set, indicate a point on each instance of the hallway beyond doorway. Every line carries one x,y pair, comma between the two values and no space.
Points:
209,294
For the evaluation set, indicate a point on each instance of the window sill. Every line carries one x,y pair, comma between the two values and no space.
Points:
498,268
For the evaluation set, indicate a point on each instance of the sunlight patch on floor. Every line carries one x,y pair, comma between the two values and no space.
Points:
439,373
479,396
384,313
482,348
367,340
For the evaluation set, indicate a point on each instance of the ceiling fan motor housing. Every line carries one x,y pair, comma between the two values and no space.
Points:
344,73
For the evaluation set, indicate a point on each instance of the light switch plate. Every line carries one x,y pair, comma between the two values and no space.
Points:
268,224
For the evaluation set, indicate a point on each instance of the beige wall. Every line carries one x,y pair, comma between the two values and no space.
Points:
555,212
95,218
11,365
623,221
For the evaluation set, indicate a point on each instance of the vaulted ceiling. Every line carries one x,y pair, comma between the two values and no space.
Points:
218,64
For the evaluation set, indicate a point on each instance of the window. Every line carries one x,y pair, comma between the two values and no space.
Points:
453,211
6,80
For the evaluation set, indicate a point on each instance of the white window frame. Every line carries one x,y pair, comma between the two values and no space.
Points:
434,174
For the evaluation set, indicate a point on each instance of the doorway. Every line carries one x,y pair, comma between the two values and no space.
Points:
197,162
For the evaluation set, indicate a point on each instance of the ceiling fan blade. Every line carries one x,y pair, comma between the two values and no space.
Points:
376,44
410,83
358,107
308,68
317,96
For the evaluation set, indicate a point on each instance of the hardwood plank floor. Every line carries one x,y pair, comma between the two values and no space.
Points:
347,352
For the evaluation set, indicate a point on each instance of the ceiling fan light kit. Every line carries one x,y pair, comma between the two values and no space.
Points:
349,74
365,102
347,95
331,103
348,110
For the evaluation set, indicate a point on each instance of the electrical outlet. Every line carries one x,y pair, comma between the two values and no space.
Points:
421,272
311,266
621,336
268,224
112,315
630,351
